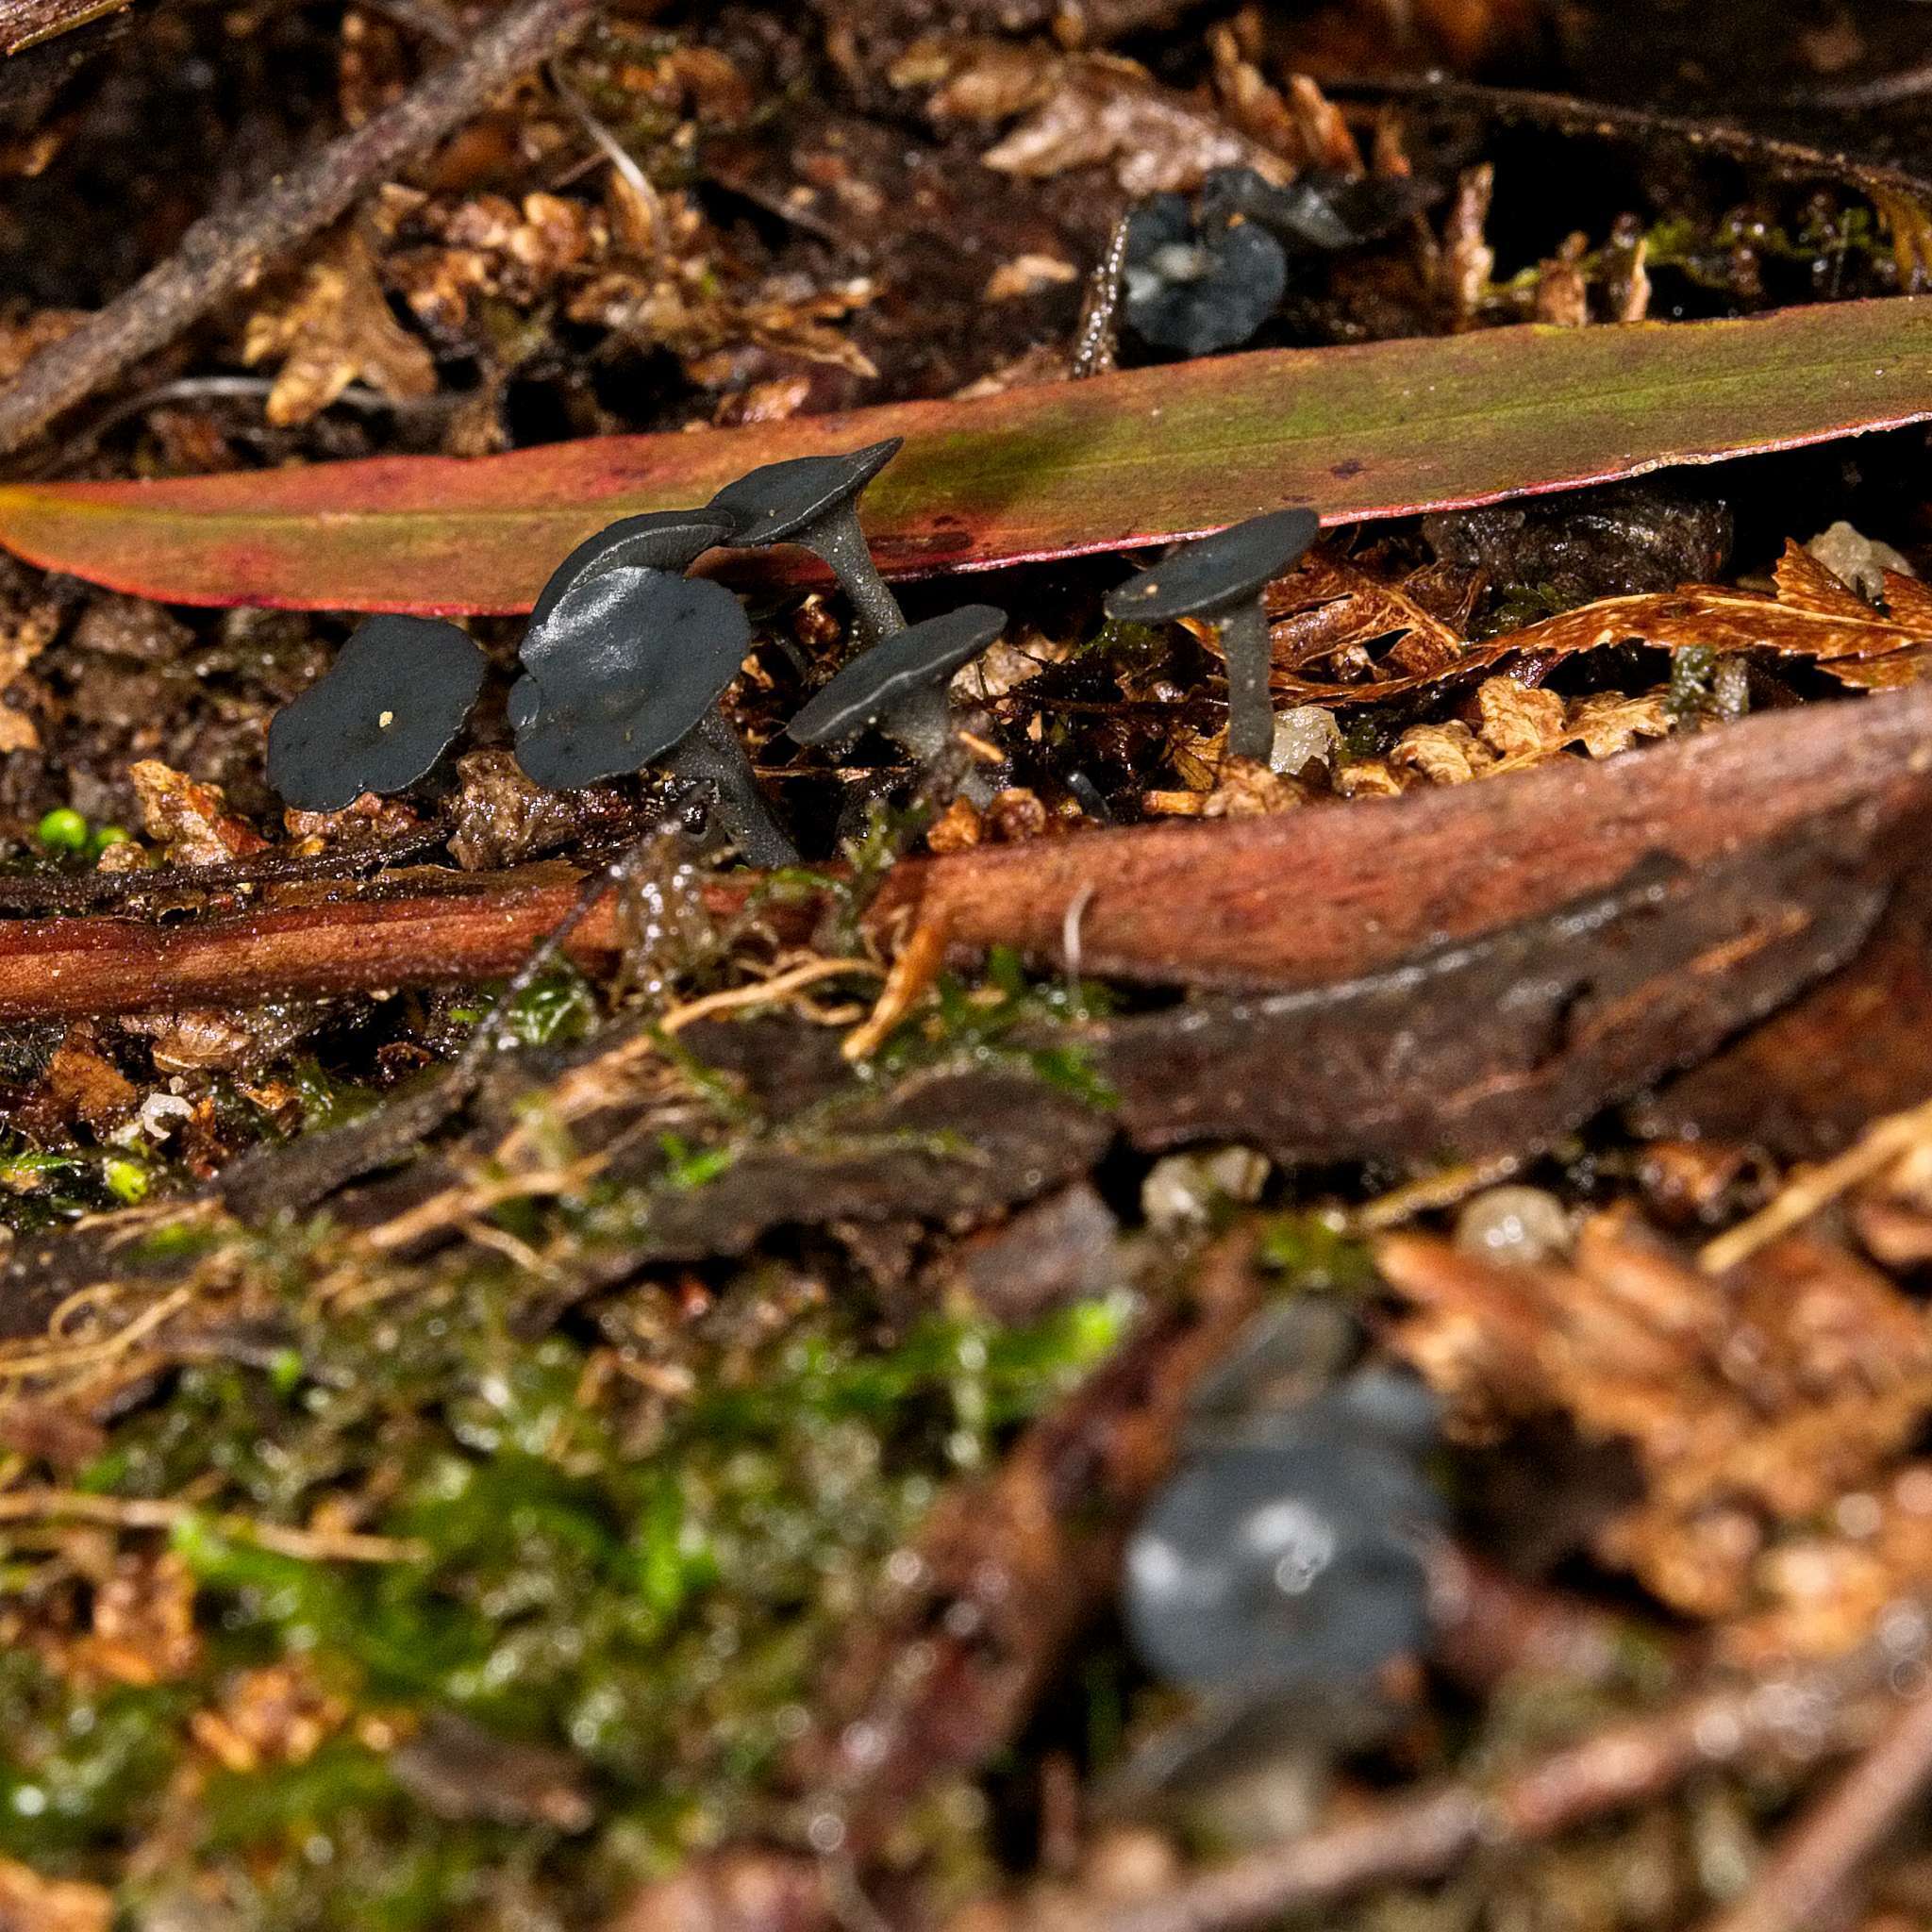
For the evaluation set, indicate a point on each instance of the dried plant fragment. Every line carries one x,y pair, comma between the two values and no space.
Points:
30,1903
1104,111
1330,611
1752,1403
335,329
142,1623
190,821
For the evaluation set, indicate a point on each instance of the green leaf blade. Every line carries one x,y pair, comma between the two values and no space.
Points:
1359,431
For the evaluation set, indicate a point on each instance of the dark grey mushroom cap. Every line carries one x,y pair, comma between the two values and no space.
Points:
1199,287
386,710
1205,578
1258,1569
658,539
777,502
620,671
878,680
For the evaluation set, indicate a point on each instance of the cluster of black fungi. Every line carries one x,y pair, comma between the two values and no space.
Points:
1204,277
626,657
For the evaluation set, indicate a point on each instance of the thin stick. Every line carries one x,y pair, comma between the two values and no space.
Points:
224,253
1819,1861
1096,343
1411,1839
764,993
1571,114
166,1512
1875,1149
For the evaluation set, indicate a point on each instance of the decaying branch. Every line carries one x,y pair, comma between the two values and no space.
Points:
1793,1719
1816,1867
26,24
228,252
1270,904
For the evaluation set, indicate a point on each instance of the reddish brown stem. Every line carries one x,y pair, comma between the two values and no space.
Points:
1296,900
1801,1716
1816,1867
477,928
1309,898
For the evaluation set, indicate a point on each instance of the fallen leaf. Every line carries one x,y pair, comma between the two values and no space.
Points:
1055,470
334,329
1337,611
1518,722
1155,141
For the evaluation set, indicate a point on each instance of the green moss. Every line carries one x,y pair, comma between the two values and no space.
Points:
654,1588
558,1008
79,1767
1693,682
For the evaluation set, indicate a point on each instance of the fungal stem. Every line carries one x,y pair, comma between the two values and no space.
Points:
1250,707
713,756
923,729
839,543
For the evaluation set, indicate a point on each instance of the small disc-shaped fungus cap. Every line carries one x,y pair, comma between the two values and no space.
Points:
813,502
1217,573
880,681
620,671
1260,1568
670,540
380,718
780,503
1199,282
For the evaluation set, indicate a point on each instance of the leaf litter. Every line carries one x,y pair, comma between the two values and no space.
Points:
606,1495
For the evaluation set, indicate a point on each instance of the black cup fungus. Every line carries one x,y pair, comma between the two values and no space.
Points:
672,539
380,718
813,502
624,667
1220,578
895,682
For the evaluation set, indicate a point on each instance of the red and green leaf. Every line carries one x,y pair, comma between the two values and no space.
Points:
1359,431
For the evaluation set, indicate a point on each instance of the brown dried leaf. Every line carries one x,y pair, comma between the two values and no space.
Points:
1246,789
1608,722
1467,261
1329,611
1247,99
334,329
1324,135
1751,1401
1107,111
1447,754
144,1624
79,1085
1562,290
976,79
277,1714
1518,722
